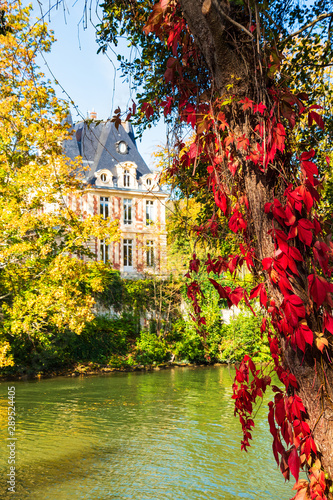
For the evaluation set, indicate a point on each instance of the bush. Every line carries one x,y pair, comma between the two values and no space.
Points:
103,337
150,348
224,343
242,336
100,339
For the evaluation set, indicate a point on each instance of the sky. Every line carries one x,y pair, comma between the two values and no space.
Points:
90,79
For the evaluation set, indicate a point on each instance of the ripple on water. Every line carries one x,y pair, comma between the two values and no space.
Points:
163,435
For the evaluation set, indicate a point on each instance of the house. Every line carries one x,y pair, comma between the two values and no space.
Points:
121,186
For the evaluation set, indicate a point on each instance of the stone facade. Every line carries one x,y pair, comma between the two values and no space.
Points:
121,186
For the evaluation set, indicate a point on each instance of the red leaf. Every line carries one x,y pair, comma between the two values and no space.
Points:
247,103
294,463
280,135
303,333
313,116
194,149
266,263
320,252
304,228
221,201
263,296
310,169
242,142
328,323
285,286
229,139
307,155
295,254
293,308
267,207
290,218
147,109
259,108
318,288
237,295
221,118
306,197
255,291
260,289
237,222
232,166
280,410
223,292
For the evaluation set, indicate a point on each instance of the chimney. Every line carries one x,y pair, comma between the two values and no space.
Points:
93,115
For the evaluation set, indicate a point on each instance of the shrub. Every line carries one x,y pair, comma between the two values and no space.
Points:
150,348
242,336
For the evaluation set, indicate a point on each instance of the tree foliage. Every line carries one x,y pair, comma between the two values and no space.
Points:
44,288
251,78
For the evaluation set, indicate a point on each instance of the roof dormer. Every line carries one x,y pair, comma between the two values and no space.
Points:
104,178
149,182
126,173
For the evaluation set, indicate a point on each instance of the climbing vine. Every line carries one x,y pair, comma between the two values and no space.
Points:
245,159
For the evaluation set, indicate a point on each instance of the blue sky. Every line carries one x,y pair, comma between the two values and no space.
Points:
90,79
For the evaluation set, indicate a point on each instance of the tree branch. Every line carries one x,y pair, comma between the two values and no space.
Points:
235,23
319,18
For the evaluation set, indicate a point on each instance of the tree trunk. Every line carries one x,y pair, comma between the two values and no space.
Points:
218,39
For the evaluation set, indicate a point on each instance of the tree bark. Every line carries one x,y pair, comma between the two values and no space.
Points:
217,40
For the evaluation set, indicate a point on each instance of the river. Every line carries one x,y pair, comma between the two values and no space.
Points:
167,434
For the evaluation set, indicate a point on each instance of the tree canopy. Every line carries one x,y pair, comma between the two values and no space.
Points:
253,80
44,289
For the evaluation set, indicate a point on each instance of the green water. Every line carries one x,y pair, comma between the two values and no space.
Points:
161,435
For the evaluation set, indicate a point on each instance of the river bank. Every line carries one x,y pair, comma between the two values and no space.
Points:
90,369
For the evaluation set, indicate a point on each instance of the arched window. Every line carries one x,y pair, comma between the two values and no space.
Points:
103,178
126,178
148,182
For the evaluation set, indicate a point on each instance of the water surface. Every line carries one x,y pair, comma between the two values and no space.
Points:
168,434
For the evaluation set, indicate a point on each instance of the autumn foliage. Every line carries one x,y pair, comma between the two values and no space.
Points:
238,138
44,288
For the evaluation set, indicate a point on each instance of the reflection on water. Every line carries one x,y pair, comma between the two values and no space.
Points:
161,435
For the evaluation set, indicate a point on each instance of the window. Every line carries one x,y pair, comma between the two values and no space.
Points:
127,211
122,147
104,207
148,182
149,212
128,253
150,253
104,251
103,178
126,178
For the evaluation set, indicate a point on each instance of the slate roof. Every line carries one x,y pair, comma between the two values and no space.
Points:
96,142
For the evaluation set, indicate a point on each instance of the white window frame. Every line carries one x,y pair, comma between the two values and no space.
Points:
128,247
104,206
104,251
128,211
126,178
150,212
150,253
